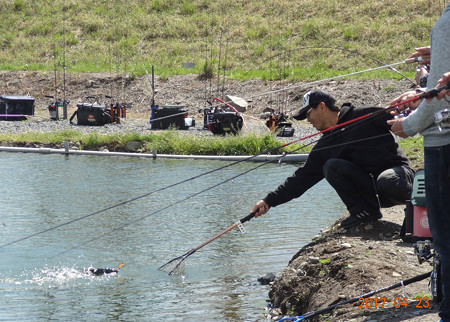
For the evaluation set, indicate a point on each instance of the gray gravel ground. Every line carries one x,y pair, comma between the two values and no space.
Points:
42,124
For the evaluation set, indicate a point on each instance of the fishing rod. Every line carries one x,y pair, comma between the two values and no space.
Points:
64,64
218,63
357,298
175,264
225,68
429,94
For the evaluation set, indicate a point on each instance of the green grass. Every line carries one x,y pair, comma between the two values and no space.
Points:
413,147
175,142
299,40
167,142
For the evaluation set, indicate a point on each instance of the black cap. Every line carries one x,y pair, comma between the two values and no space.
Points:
313,98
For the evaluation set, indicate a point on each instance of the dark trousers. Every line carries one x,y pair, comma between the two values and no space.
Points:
437,193
358,189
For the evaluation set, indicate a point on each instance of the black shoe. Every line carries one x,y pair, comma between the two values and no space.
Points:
361,217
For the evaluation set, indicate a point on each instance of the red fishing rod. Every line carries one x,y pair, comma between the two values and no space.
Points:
175,265
429,94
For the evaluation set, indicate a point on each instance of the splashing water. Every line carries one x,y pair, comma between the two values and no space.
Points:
51,276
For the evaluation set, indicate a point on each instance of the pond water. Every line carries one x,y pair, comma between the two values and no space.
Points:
60,215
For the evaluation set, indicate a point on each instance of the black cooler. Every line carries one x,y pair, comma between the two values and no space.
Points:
92,114
14,108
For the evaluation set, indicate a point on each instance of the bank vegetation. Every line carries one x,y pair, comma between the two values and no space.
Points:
275,39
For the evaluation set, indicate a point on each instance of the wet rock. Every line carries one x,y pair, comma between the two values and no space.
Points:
266,279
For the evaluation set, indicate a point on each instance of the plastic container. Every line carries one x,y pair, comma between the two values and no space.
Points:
420,226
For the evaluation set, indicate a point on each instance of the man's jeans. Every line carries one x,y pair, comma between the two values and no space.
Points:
437,192
357,188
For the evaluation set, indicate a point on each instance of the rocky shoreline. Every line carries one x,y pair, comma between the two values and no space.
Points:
339,265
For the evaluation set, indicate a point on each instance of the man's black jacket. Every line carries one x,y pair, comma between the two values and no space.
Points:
368,143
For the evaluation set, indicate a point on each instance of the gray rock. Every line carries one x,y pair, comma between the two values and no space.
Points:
266,279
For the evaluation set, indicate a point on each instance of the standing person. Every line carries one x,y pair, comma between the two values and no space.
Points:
362,161
436,142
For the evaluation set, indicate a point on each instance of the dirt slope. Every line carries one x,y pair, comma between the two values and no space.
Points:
190,91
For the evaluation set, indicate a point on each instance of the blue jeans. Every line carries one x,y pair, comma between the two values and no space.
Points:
358,189
437,192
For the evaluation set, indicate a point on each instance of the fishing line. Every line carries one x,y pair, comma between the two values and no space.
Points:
171,205
155,191
431,93
126,202
422,95
350,123
384,65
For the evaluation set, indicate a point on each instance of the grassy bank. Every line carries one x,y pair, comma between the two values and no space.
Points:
301,40
167,142
172,142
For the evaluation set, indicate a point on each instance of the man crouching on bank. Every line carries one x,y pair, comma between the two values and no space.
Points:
361,161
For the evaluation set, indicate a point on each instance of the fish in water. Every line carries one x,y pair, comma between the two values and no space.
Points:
102,271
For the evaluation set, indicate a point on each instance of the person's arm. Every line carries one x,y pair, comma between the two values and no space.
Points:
294,186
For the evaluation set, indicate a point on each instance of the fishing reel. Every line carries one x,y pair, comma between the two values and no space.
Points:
422,249
402,114
442,119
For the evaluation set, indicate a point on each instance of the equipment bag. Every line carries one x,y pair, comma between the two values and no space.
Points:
91,114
